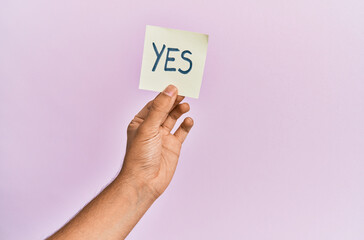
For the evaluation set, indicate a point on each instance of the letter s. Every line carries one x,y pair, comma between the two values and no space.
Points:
186,59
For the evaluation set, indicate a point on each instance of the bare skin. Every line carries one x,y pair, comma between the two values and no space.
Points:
151,159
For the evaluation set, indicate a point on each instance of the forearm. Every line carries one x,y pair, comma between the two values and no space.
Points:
153,153
112,214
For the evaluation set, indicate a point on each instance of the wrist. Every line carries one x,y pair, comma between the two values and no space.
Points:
138,188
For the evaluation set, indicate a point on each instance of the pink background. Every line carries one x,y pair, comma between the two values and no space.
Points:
278,145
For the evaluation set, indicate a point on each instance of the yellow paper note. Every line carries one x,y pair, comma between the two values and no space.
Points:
173,57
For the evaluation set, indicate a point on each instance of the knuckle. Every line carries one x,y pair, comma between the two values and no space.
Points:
159,107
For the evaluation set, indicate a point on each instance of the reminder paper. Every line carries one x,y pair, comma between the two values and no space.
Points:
173,57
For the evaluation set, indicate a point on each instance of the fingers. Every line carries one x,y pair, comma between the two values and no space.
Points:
173,116
161,107
144,112
178,100
183,130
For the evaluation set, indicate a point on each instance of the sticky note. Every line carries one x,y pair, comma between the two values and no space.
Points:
175,57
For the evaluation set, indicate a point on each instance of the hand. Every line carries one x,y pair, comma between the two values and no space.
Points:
152,151
150,161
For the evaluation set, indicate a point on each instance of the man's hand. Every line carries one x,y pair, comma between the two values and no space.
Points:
151,158
152,150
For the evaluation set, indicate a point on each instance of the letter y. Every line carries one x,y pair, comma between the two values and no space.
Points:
158,55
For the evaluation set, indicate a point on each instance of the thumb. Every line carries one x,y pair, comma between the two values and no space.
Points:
161,107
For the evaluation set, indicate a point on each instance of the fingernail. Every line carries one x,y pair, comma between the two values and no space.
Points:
170,90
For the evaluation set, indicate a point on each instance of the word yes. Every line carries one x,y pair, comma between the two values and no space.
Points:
171,59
